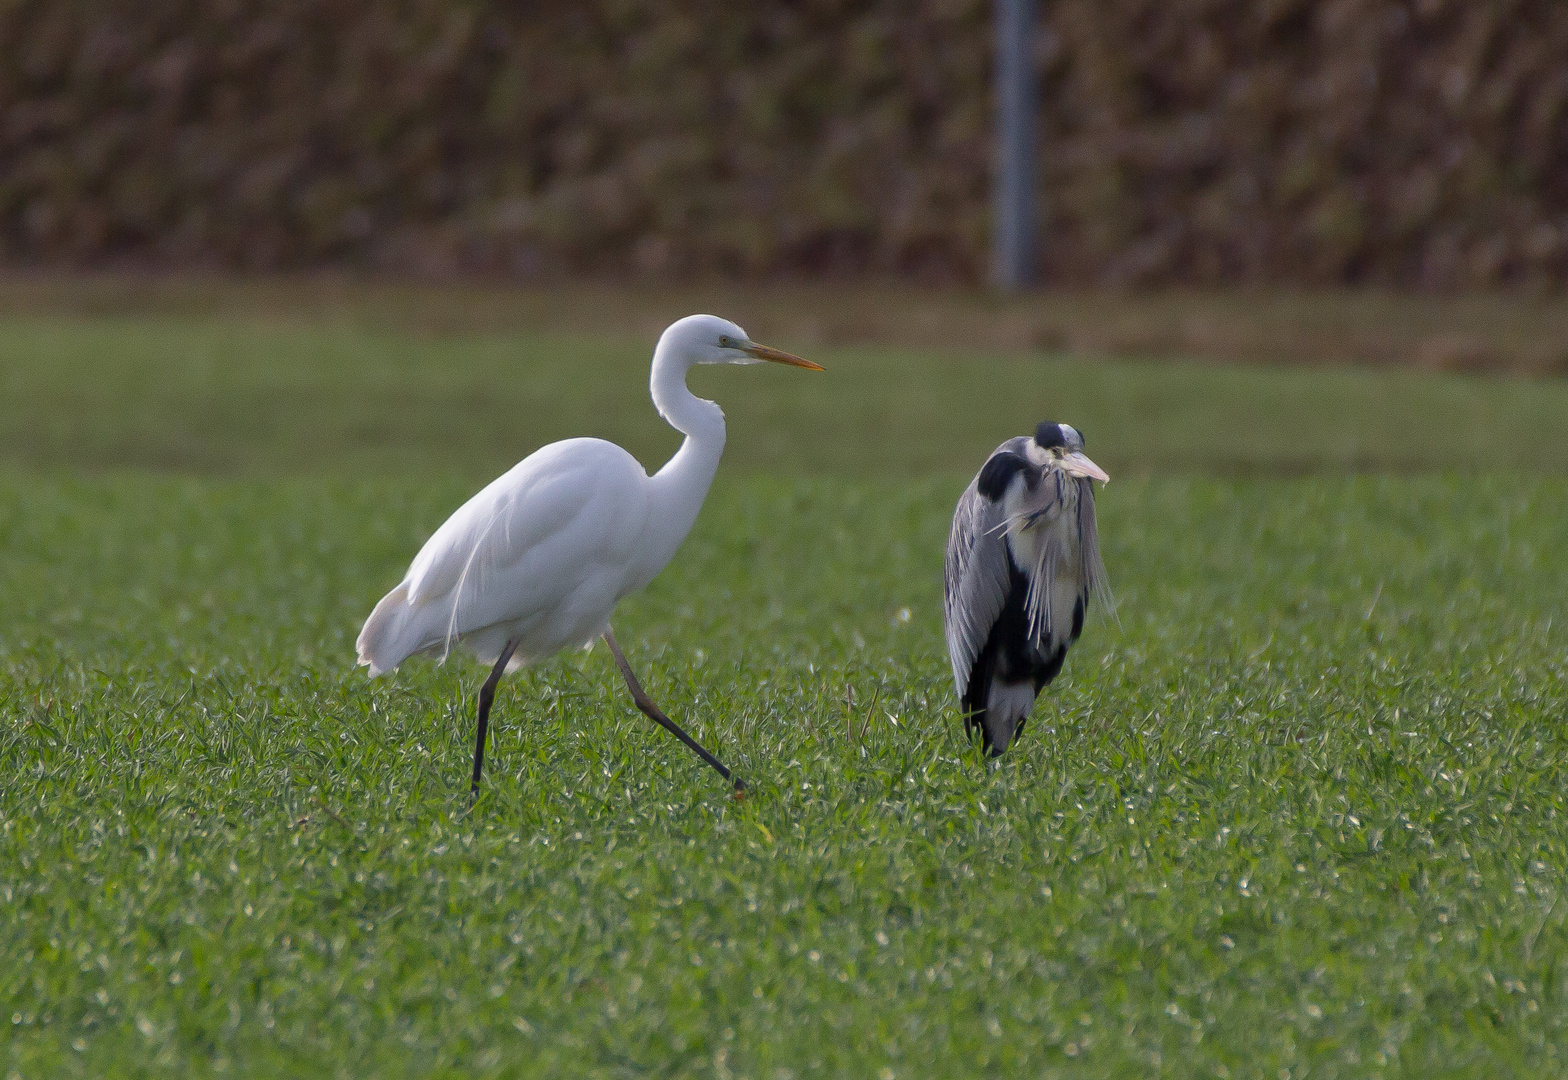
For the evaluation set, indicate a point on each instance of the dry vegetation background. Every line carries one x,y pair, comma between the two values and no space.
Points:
1420,143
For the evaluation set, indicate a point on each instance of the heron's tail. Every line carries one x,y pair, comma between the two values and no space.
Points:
391,634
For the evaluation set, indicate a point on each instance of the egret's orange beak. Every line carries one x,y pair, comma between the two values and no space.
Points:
1078,464
762,352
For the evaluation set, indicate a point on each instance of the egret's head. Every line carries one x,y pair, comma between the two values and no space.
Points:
708,339
1061,446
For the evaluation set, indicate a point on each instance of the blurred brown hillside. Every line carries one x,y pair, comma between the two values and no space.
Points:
1420,143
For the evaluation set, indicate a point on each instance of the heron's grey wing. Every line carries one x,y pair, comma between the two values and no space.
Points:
977,577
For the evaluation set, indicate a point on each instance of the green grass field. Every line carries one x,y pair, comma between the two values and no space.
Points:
1300,812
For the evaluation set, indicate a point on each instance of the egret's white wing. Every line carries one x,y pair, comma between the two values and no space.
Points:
585,490
566,517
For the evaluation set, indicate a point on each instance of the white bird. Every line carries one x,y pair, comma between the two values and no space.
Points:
1023,563
537,560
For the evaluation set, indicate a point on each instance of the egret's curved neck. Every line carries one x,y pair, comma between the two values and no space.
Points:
700,420
683,483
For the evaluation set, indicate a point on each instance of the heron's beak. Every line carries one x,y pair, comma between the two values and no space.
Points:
762,352
1076,464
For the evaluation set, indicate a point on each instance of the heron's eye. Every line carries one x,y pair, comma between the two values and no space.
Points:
724,341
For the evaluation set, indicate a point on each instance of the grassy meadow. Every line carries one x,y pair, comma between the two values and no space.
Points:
1298,811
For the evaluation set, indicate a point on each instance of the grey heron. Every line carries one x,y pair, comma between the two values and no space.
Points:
537,561
1023,564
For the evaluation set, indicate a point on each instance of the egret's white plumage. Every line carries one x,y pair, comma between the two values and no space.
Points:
539,558
541,554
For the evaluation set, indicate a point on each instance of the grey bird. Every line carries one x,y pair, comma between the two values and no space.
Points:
1023,565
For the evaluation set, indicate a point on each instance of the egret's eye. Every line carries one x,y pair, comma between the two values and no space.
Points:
725,341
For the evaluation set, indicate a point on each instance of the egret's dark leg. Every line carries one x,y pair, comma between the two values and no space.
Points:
651,711
486,696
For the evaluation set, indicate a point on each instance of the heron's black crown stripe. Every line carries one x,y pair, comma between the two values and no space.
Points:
997,473
1049,434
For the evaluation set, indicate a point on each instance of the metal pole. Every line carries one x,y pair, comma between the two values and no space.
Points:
1014,215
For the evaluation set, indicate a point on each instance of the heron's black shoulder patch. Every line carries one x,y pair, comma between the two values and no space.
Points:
997,473
1050,434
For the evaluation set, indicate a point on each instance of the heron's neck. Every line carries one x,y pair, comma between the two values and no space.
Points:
683,482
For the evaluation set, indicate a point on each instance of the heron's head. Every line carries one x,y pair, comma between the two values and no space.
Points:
708,339
1061,446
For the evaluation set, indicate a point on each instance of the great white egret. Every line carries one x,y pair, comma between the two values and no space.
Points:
538,559
1023,562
